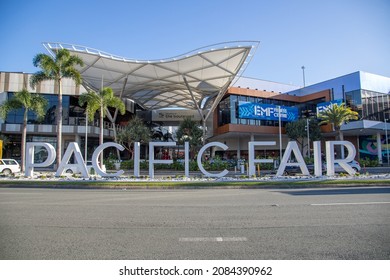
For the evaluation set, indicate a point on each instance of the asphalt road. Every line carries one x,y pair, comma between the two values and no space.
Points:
342,223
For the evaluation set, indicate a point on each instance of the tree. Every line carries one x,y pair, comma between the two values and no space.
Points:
297,131
337,115
56,68
100,102
189,131
135,131
29,102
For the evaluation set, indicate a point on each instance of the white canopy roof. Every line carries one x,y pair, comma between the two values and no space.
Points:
161,83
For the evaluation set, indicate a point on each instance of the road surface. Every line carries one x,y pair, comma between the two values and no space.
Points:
325,223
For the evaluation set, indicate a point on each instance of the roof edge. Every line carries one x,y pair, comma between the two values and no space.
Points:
50,46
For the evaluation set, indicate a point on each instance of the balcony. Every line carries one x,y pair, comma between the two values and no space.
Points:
76,127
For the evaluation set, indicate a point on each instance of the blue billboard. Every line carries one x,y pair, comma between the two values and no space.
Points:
257,111
325,105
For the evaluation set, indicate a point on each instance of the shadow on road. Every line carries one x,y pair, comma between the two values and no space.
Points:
382,190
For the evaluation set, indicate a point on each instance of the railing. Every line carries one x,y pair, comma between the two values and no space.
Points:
80,121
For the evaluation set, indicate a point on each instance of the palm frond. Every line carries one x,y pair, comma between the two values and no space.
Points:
93,102
39,105
38,77
47,64
337,115
72,73
72,61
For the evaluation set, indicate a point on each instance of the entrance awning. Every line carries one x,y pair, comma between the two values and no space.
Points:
155,84
364,127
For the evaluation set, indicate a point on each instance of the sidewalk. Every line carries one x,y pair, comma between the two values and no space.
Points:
232,173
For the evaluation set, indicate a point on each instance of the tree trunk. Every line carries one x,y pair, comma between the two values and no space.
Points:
204,131
339,153
118,153
112,120
23,148
59,123
101,134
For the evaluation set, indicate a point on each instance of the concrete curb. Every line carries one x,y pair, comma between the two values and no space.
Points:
153,185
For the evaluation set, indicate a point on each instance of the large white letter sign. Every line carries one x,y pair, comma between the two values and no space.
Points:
136,158
152,161
73,147
95,157
186,159
30,148
330,160
251,155
317,158
292,147
199,159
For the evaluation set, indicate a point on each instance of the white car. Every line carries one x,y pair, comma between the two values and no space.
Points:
354,164
74,170
8,166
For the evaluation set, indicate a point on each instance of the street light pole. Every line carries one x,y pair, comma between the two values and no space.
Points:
387,143
303,72
280,136
308,137
86,137
307,113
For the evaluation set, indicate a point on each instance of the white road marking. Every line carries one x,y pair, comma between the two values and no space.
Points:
350,203
212,239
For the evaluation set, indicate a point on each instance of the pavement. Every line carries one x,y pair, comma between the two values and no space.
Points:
46,179
206,224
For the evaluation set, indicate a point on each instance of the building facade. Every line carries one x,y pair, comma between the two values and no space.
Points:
234,109
75,128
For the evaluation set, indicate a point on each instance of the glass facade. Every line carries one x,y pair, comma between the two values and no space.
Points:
72,113
16,116
369,104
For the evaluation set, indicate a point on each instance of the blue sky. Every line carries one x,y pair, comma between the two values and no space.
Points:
330,38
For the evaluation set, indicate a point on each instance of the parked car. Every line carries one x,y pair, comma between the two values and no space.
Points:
9,166
75,170
292,170
354,164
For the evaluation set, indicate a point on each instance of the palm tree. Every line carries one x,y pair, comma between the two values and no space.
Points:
56,68
189,131
297,131
337,115
100,102
29,102
135,131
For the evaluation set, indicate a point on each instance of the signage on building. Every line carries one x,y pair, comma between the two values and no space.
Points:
325,105
257,111
174,115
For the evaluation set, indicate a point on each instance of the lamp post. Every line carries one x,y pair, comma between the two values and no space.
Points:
308,137
86,138
307,115
303,72
387,143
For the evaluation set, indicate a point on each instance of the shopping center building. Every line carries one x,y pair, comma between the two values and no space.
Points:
207,85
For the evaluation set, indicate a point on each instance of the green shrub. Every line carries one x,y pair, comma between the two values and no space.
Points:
127,164
144,164
194,165
109,164
176,165
266,166
367,162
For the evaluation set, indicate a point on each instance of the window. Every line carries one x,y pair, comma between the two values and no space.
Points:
69,105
